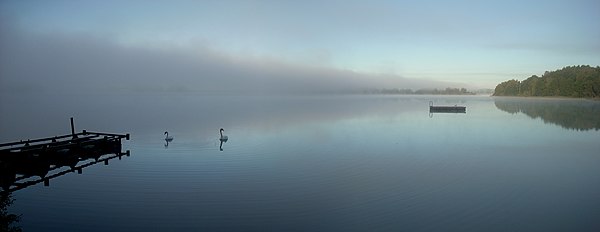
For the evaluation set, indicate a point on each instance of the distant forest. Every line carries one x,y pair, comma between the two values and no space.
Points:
447,91
581,81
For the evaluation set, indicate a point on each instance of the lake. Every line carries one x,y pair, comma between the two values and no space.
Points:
317,163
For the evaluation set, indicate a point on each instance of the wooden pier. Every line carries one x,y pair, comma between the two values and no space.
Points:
30,162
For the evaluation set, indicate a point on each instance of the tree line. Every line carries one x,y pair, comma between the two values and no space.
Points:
582,81
447,91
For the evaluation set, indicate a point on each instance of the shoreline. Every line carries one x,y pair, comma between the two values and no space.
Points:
549,97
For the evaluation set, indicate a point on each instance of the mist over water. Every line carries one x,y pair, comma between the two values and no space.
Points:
48,114
73,63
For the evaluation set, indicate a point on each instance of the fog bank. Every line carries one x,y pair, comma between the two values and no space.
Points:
56,62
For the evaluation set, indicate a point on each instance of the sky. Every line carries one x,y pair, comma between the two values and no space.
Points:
291,45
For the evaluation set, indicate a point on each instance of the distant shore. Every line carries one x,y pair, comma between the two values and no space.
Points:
549,97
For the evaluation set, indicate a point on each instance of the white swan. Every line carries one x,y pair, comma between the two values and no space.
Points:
168,138
223,138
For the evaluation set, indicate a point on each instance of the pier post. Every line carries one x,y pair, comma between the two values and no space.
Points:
73,129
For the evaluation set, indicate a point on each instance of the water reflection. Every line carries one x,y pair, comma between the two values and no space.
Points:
221,145
8,220
323,164
17,174
581,115
31,169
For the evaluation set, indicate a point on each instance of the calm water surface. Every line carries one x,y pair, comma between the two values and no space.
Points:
318,163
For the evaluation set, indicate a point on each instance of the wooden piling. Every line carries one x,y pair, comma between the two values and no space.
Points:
73,129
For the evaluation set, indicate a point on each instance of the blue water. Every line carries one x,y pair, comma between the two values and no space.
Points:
318,163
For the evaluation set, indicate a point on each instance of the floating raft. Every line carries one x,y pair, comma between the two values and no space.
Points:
30,162
446,109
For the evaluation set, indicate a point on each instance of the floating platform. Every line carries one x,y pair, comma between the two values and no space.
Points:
26,163
447,109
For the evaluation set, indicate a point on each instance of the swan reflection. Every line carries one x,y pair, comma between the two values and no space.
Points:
221,145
